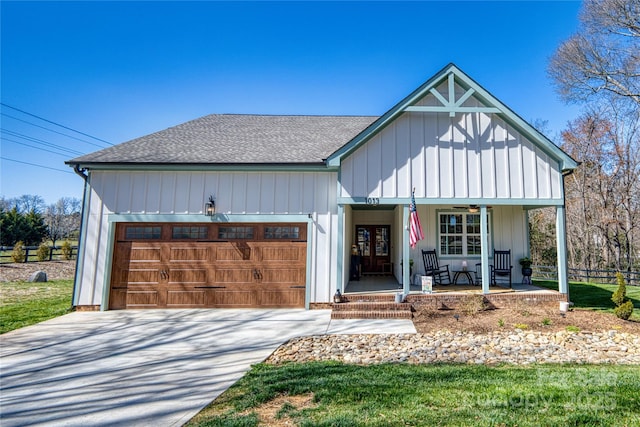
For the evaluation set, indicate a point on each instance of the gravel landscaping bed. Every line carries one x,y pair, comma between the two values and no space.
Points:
511,347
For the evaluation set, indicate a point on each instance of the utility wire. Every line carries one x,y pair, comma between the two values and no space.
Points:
54,123
40,141
34,147
33,164
51,130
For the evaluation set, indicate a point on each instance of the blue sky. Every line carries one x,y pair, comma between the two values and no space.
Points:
119,70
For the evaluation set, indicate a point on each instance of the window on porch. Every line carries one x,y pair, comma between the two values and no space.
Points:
460,233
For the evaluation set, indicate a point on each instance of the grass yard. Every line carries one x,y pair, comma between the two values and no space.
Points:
332,394
23,303
594,296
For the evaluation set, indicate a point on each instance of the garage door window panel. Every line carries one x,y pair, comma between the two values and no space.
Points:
181,232
231,233
143,233
281,232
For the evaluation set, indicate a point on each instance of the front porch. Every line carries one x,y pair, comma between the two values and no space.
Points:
376,246
385,284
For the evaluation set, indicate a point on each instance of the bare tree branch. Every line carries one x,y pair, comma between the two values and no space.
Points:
603,58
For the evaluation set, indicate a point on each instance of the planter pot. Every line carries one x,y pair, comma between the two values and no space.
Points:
527,271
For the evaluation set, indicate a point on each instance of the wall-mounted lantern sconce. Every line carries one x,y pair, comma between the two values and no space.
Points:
210,207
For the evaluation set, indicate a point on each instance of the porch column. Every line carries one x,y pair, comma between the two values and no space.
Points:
484,248
406,280
340,252
561,239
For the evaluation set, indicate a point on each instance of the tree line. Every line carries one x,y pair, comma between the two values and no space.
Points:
28,219
598,67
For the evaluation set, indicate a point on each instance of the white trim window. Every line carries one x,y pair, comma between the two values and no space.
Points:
459,233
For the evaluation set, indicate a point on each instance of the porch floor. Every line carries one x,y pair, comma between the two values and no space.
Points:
389,285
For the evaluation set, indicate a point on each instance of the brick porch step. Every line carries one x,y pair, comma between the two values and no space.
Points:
368,297
371,315
371,310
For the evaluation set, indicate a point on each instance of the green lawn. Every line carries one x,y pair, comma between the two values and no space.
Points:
594,296
23,303
421,395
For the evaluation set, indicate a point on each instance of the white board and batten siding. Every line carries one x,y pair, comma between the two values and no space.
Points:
471,155
149,193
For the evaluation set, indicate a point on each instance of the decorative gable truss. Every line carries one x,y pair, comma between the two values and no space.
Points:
450,104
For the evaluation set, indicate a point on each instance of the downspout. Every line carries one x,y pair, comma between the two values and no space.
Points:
79,263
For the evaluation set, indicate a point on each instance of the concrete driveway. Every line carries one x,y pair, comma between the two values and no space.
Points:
147,367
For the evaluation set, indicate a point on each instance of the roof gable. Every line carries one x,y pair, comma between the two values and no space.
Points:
447,102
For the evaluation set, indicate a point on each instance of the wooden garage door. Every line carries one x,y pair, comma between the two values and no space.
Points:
208,266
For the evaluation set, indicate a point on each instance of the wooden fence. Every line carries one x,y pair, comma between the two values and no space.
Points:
55,253
586,275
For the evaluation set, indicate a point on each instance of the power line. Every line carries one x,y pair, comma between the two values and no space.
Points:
40,141
33,164
54,123
51,130
33,146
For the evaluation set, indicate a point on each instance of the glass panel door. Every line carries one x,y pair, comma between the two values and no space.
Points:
373,245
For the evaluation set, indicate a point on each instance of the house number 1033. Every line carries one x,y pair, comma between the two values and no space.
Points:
373,201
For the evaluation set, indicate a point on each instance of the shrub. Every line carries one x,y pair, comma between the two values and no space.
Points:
43,252
572,328
623,311
521,326
472,304
624,306
18,254
66,250
620,295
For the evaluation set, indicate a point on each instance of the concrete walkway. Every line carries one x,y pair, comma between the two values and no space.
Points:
147,367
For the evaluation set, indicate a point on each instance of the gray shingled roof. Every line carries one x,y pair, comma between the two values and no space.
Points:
237,139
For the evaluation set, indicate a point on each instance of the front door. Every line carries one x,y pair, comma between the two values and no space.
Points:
373,244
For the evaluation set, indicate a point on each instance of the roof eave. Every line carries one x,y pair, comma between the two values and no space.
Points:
166,166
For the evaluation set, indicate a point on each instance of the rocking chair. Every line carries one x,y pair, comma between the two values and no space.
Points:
432,268
501,265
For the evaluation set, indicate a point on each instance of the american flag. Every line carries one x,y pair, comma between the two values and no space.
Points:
415,229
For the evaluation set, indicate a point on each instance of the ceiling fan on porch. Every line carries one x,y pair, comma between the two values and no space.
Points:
471,208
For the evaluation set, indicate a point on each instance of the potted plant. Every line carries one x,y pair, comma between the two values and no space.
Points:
410,266
525,263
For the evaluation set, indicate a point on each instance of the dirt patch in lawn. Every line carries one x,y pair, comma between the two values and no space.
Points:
56,270
543,317
277,412
281,411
